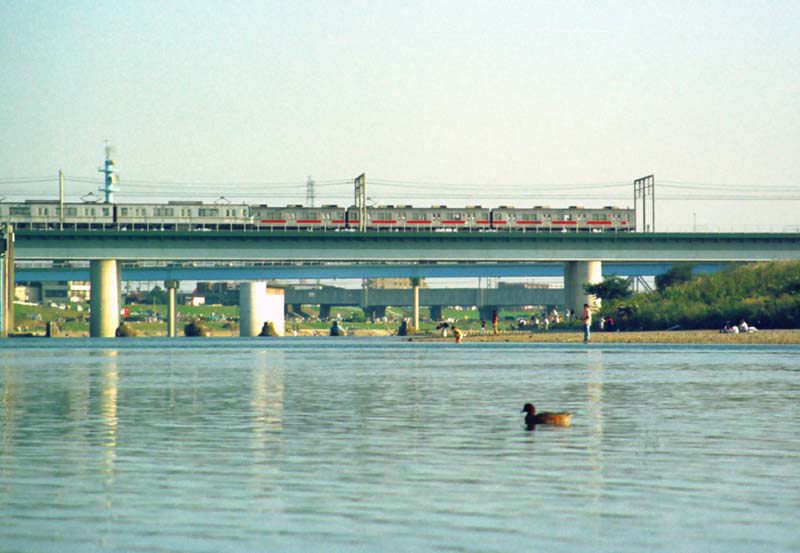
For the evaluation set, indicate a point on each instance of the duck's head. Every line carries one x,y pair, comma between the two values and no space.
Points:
529,408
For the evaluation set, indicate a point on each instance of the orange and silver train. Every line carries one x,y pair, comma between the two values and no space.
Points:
192,215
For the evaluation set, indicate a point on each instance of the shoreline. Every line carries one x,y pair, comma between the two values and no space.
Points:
784,336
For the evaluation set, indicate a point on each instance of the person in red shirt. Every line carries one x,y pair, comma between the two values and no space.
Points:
587,322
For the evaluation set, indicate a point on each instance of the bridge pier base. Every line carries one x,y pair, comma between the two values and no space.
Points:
171,286
576,274
104,278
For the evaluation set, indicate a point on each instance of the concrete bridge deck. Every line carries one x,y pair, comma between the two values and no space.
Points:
417,247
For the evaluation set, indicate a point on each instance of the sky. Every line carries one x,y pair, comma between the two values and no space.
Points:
438,102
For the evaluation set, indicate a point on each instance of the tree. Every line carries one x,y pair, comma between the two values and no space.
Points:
612,288
158,296
677,274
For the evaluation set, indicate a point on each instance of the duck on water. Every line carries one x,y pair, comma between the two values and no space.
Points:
532,418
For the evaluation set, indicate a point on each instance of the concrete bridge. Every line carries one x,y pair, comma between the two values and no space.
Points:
581,253
375,300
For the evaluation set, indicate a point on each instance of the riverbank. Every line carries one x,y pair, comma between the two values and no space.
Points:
648,337
558,337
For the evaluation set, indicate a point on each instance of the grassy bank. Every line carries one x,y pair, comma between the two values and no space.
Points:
644,337
223,321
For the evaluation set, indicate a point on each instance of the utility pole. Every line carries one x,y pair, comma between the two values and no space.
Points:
60,200
361,201
642,188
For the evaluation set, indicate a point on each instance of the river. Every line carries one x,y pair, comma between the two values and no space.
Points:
379,444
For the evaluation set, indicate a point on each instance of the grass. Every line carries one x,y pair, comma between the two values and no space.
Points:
149,320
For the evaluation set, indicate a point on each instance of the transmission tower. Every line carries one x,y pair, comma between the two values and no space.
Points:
310,192
360,185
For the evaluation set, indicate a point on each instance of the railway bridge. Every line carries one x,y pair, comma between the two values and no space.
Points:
582,254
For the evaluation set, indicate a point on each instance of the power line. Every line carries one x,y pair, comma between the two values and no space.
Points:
409,191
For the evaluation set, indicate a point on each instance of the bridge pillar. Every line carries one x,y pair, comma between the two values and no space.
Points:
486,312
171,286
375,312
415,282
104,303
7,283
436,312
576,274
324,311
252,307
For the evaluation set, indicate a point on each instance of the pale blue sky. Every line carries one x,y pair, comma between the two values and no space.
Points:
511,102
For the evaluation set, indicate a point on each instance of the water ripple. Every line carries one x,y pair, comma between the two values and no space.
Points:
364,445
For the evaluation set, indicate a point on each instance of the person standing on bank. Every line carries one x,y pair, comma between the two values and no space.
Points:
587,322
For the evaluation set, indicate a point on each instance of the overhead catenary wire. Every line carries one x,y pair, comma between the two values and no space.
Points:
408,191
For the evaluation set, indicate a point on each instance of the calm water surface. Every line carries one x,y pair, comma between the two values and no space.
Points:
384,445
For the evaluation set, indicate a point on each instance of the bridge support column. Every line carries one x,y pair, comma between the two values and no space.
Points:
324,311
415,282
7,283
104,302
375,312
252,307
486,312
436,312
576,274
171,286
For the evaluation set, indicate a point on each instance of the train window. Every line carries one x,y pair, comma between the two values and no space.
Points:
208,212
567,217
106,212
70,211
123,211
19,210
599,217
457,216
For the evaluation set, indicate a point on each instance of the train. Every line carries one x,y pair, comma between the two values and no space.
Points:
199,216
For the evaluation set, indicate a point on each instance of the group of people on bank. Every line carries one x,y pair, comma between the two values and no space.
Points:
741,328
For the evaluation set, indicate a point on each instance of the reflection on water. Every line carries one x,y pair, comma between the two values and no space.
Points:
108,407
313,445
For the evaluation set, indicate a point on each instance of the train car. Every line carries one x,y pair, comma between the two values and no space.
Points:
177,215
435,218
611,218
297,217
571,219
46,214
